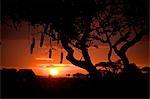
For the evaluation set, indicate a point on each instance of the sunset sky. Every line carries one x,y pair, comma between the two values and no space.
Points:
15,52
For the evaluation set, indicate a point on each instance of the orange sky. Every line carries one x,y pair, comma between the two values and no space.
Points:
15,52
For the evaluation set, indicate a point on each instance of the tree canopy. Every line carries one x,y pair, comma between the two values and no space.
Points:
77,23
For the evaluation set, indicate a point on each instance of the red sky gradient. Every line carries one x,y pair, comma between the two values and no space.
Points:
15,52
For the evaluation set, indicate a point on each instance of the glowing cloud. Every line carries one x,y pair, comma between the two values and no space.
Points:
55,65
43,58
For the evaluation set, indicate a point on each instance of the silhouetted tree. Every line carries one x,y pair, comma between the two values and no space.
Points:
65,21
121,27
71,23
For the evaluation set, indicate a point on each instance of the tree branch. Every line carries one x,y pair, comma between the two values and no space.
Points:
122,39
110,47
70,52
137,38
84,49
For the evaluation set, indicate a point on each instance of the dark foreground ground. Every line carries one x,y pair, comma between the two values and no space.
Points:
16,86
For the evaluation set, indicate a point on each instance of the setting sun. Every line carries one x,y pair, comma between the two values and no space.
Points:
54,72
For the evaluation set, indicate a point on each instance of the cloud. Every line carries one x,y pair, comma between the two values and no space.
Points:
54,65
43,58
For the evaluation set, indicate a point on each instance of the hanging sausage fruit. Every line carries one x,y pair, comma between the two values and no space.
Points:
50,53
32,45
50,50
42,40
61,57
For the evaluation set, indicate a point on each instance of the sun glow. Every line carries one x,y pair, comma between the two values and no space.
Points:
54,72
59,70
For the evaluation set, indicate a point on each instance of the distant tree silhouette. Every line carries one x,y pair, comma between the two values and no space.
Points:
78,23
145,69
68,75
79,75
113,67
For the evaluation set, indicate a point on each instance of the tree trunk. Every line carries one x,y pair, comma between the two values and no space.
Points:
124,58
122,55
109,54
122,52
93,72
86,64
127,68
